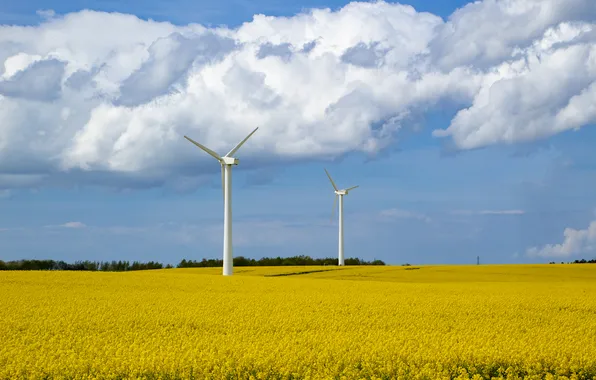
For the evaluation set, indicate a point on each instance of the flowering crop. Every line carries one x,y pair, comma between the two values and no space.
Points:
425,322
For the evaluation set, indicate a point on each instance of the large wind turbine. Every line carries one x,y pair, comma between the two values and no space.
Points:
340,193
226,184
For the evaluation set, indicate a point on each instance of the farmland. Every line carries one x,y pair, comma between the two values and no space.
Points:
510,321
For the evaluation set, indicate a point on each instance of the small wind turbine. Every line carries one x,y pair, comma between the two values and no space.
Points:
226,185
341,194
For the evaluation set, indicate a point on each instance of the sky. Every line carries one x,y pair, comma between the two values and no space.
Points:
469,128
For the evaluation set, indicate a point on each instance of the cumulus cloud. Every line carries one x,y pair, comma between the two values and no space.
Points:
487,33
543,90
39,81
91,95
576,242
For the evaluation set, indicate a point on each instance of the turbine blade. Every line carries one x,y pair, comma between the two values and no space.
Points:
334,207
351,188
332,183
223,180
240,143
203,147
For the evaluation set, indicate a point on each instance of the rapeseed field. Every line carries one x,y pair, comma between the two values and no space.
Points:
429,322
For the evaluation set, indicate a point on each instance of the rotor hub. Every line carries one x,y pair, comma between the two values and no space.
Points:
230,161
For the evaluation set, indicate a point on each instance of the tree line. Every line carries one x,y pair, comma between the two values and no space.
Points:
582,261
125,266
102,266
241,261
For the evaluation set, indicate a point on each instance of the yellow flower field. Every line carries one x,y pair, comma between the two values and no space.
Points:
429,322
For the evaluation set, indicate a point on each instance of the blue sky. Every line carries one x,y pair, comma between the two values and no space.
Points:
231,13
422,199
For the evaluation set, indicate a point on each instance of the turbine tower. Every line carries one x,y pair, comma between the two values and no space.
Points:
340,193
226,163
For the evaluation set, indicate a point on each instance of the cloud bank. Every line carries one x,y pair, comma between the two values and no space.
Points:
106,98
576,243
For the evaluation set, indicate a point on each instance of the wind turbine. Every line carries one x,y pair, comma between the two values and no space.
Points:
226,185
340,193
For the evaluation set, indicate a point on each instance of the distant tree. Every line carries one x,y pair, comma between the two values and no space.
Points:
86,265
584,261
242,261
121,266
301,260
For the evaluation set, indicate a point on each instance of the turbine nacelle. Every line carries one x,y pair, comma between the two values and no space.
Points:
338,191
229,161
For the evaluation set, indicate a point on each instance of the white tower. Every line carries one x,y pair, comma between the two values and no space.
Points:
226,183
340,193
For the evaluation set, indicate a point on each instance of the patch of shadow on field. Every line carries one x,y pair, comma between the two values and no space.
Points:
412,268
299,273
243,270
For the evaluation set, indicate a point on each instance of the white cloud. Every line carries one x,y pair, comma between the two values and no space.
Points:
488,212
576,242
46,13
502,212
487,33
549,89
76,225
395,213
109,95
18,62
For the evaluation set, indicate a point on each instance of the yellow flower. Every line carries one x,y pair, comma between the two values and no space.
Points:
472,322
